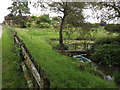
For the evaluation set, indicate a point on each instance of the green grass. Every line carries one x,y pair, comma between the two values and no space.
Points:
0,63
63,71
12,77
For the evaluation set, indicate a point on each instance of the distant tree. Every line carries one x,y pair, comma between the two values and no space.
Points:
109,10
44,19
113,6
19,11
19,8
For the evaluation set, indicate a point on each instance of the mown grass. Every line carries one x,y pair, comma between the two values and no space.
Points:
63,71
12,77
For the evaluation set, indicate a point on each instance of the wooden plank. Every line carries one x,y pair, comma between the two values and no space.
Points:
31,66
43,82
16,40
26,75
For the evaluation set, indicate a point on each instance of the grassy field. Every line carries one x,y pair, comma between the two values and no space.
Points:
12,77
47,34
63,71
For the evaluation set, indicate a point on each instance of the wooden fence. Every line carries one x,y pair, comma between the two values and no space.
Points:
34,74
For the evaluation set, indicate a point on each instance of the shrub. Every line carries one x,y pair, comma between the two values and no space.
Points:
107,54
44,19
108,40
117,78
113,27
44,25
105,40
84,66
25,23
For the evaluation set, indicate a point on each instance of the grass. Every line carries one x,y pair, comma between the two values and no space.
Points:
63,71
0,63
49,33
12,77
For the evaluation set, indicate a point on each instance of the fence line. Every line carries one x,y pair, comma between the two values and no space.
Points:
29,66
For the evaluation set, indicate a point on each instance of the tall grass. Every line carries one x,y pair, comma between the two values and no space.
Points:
12,77
62,71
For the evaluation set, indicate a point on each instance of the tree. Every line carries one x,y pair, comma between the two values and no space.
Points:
73,9
19,8
44,19
109,11
113,6
18,12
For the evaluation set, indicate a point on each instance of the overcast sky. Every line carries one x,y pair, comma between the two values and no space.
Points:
4,4
3,8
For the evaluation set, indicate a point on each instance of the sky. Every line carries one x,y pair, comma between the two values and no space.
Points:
4,4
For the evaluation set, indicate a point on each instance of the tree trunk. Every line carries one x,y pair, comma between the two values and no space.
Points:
61,36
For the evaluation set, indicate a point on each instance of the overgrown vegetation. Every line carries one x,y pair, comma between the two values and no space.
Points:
67,32
111,49
113,27
62,71
117,78
12,75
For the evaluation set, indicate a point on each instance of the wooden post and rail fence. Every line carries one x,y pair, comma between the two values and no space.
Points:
33,73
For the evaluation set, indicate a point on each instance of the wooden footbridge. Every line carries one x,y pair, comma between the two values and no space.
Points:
78,52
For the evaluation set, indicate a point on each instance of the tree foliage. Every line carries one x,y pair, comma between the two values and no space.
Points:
70,11
113,6
107,50
19,8
44,19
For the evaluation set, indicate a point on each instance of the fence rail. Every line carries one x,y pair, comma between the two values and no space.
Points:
33,73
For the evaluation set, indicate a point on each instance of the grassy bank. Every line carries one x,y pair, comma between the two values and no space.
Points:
63,71
0,63
12,76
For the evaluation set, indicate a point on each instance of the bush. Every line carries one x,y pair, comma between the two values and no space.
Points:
44,25
84,66
25,23
113,27
105,40
108,40
117,78
44,19
107,54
